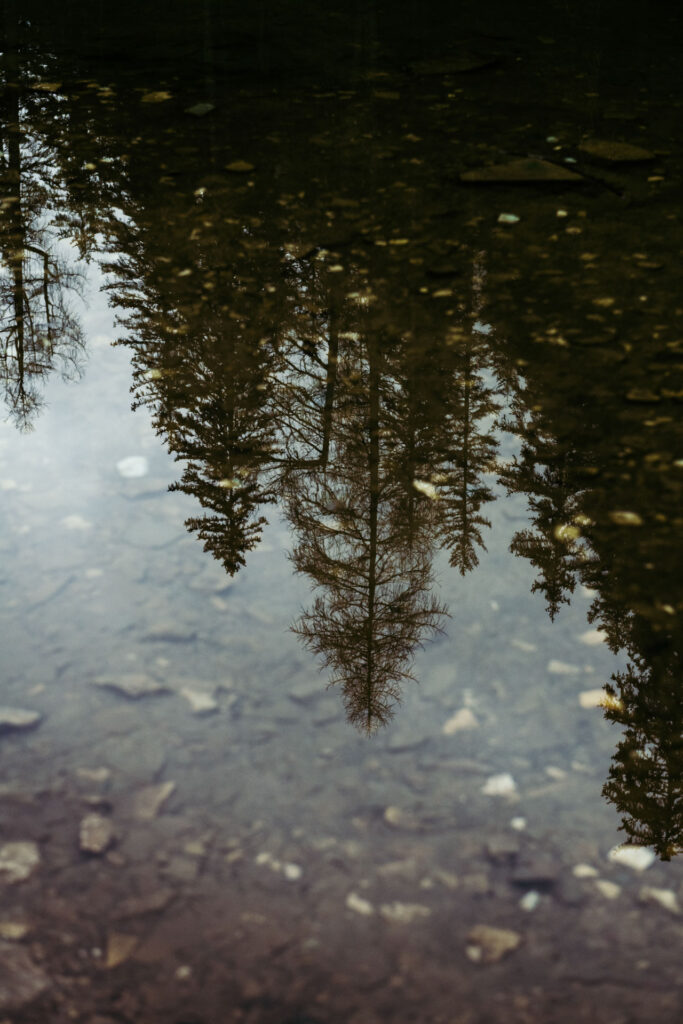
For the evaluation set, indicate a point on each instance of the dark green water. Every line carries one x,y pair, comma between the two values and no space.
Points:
360,633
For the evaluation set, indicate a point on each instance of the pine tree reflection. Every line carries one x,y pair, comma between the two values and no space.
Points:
374,573
645,780
39,330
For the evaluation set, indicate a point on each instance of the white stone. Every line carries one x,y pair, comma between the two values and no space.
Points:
584,871
202,702
593,637
530,900
148,801
500,785
610,890
292,872
519,824
133,466
639,858
18,860
404,913
459,722
666,898
18,718
562,668
359,905
96,834
488,945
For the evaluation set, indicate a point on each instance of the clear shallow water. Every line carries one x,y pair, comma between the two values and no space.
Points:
453,426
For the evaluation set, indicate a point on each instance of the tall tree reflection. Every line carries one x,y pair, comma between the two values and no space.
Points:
39,329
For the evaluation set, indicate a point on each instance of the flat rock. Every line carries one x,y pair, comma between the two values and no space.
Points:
21,981
96,834
615,152
488,945
119,948
133,685
531,170
147,802
456,65
537,873
638,858
18,860
202,702
12,719
461,721
138,906
404,913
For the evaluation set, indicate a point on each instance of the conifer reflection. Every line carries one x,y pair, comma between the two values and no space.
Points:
39,329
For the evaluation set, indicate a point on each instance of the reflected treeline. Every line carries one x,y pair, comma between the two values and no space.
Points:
308,339
39,330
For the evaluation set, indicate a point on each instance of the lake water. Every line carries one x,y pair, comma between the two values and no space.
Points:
341,468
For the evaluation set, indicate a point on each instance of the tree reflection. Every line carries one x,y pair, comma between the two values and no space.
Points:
39,329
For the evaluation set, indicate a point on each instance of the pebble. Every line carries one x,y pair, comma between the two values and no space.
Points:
202,702
359,905
508,218
488,945
76,522
666,898
502,784
96,834
133,466
530,900
404,913
119,948
459,722
18,861
610,890
528,169
133,685
593,637
639,858
615,152
562,668
584,871
13,931
200,109
21,980
519,824
18,718
148,802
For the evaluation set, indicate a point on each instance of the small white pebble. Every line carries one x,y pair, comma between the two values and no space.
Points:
500,785
584,871
666,898
593,637
292,872
359,905
184,972
561,668
610,890
530,900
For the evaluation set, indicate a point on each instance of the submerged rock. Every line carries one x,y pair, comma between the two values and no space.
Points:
148,802
615,152
18,718
18,860
404,913
133,685
96,834
119,948
202,702
531,171
21,981
488,945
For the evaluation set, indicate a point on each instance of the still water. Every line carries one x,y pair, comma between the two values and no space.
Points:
340,487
